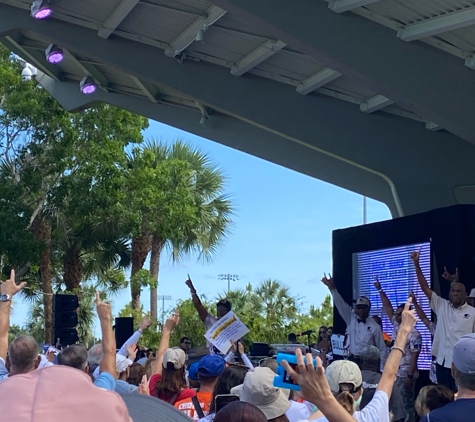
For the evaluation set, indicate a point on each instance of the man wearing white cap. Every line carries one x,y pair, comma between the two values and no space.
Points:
362,330
463,371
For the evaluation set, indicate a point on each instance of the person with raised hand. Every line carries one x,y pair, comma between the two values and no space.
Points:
315,387
168,381
455,318
362,330
22,355
342,377
222,308
408,372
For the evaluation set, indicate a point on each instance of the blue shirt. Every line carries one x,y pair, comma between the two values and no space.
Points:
461,410
105,381
3,370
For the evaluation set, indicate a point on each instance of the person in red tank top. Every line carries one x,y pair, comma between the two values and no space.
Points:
168,382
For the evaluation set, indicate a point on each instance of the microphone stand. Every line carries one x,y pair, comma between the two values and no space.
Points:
308,343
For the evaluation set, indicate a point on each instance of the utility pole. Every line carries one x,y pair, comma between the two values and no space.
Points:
163,298
229,278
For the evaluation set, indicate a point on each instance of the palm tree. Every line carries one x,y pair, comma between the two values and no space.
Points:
278,305
193,216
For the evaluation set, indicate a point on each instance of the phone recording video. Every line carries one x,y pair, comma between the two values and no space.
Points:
224,399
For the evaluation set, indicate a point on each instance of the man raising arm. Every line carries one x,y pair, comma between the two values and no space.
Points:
362,330
454,319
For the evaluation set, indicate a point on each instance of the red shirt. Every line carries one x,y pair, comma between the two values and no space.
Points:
186,393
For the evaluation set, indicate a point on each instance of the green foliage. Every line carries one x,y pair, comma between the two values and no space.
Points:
269,311
143,278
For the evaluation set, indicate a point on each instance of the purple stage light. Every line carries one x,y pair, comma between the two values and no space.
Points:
43,13
88,85
55,58
54,54
40,9
88,89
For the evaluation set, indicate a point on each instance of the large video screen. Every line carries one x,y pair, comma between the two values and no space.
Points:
397,276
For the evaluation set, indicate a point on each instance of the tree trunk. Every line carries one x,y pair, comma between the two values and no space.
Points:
72,270
41,229
140,248
157,246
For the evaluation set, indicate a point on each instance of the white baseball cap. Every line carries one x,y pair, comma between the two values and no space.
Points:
343,372
175,356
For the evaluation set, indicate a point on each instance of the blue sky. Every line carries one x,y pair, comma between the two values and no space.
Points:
282,229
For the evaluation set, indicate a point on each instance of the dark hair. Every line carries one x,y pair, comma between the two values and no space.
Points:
172,381
464,380
225,303
74,356
136,372
438,396
23,353
183,339
292,337
320,338
240,411
231,377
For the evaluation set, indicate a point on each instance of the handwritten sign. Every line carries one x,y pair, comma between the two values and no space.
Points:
226,329
338,344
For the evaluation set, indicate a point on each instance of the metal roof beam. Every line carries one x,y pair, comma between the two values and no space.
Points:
438,25
34,57
148,89
340,6
257,56
369,54
114,20
189,35
375,103
316,81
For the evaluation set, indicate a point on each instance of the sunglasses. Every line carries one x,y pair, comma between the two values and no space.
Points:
361,307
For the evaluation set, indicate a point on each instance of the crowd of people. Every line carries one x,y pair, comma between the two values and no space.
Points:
373,383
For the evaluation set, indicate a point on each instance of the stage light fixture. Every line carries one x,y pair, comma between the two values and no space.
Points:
41,9
88,85
200,36
54,54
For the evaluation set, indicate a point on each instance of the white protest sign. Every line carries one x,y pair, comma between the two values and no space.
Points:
226,329
338,345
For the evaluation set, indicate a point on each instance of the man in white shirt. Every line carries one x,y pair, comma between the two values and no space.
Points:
222,308
455,318
362,330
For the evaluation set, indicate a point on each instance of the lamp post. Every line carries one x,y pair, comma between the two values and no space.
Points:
229,278
163,298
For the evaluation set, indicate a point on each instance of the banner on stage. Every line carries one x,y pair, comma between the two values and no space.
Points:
226,329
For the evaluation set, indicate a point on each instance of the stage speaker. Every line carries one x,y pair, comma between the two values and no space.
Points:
259,349
124,328
65,319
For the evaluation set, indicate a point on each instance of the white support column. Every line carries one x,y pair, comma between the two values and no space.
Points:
375,103
340,6
438,25
189,35
257,56
316,81
114,20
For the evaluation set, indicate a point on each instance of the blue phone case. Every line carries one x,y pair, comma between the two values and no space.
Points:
283,379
